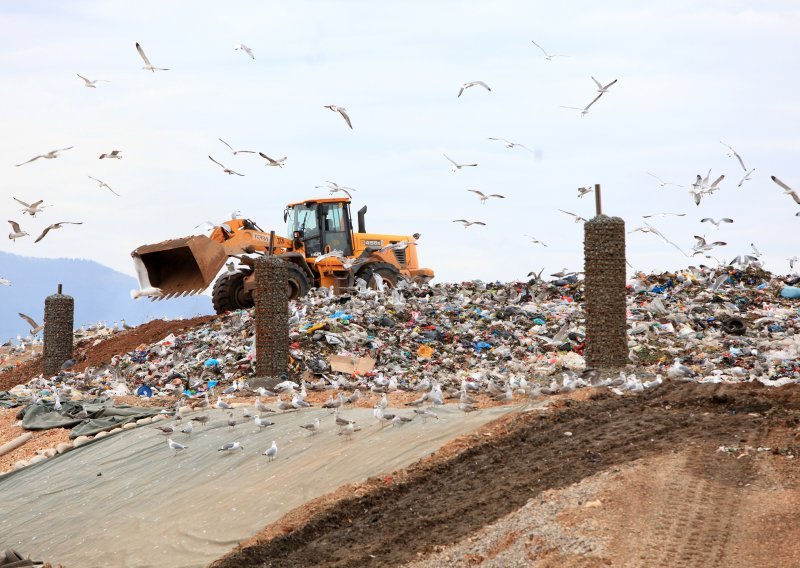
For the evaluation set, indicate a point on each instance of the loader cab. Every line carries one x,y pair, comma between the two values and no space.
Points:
322,226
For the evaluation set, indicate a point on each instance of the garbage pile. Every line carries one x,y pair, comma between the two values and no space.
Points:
696,324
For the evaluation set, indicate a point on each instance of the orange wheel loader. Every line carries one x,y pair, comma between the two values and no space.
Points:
321,250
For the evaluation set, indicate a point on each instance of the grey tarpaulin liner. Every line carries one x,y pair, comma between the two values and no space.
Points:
151,508
103,415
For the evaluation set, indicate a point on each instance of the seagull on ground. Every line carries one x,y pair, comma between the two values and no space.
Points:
271,161
734,154
262,422
788,190
245,49
584,110
535,241
48,156
456,165
343,112
547,56
469,84
716,222
35,327
235,152
91,84
226,169
483,197
173,445
145,288
147,65
58,225
578,218
272,451
16,231
313,427
510,144
114,154
230,446
603,88
661,182
31,208
188,429
166,430
468,223
103,184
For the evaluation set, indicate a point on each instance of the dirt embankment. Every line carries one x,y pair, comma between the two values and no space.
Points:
89,355
441,501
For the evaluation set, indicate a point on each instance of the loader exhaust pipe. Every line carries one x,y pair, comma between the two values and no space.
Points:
361,213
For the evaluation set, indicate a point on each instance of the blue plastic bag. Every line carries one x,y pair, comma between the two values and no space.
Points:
790,292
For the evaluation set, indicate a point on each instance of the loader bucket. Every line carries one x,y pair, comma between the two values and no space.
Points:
183,266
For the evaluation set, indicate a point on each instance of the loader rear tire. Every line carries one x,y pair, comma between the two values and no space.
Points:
391,276
229,294
297,285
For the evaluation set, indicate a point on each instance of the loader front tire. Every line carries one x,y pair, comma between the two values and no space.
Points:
391,276
229,293
297,285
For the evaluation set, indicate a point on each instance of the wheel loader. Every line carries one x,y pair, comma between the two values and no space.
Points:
321,250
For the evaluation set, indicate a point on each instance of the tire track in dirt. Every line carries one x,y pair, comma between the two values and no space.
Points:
440,503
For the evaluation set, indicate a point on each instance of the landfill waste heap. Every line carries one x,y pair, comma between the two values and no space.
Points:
700,325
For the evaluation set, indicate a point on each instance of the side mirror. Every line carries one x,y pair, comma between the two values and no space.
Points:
285,215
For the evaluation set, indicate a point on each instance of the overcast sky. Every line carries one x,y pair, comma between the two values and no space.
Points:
690,74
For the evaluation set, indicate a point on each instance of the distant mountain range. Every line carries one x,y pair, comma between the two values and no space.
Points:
100,293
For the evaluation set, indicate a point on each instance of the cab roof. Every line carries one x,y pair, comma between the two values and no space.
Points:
321,200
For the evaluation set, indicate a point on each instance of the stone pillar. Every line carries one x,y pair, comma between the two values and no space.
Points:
272,319
604,267
59,316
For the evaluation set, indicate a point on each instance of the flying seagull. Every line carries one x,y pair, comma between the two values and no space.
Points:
147,65
650,229
701,245
547,56
584,190
603,88
456,165
334,187
510,144
343,112
245,49
734,154
236,151
662,182
535,241
145,288
35,327
483,197
469,84
663,215
114,154
715,222
746,177
31,208
584,110
48,156
55,226
224,169
91,84
272,161
468,223
578,218
788,190
16,231
103,184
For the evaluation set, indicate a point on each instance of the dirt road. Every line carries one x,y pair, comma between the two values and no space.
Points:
678,502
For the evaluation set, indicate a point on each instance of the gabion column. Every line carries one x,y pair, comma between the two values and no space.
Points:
272,318
604,267
59,315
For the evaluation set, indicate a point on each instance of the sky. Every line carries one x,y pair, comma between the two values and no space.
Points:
690,74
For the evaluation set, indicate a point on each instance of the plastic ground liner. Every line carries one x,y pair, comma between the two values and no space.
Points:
127,500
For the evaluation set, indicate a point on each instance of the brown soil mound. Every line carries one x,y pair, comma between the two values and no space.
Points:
438,502
88,355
